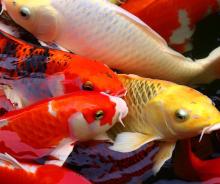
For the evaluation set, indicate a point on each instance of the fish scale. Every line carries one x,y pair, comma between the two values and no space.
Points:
139,92
49,126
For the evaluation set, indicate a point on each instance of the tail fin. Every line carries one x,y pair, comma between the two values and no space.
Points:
210,67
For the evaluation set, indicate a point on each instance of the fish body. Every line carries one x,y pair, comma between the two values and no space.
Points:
193,167
163,111
35,72
52,126
105,32
178,23
12,171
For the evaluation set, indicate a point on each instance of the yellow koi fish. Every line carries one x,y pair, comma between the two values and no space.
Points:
163,111
105,32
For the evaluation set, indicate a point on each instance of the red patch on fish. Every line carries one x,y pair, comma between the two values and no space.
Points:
47,174
167,22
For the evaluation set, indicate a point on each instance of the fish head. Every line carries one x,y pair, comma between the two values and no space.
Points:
37,17
96,113
89,75
183,112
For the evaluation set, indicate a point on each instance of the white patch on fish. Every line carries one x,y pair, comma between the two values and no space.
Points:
13,96
78,125
82,130
184,32
3,123
50,109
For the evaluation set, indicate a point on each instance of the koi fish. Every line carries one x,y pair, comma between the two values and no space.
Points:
12,171
51,127
193,167
178,23
32,73
118,39
162,111
101,165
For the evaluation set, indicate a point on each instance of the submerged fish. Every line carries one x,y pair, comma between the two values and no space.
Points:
178,23
52,126
12,171
192,167
95,161
164,111
105,32
35,73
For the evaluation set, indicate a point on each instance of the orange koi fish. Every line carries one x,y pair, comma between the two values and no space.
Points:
11,171
178,23
52,126
35,72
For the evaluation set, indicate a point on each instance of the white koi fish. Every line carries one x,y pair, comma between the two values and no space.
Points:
105,32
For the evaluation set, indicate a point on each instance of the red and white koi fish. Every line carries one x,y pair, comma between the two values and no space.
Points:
12,171
178,23
52,126
107,33
34,73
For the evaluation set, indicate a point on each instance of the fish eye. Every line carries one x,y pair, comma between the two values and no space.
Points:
181,115
88,86
25,12
99,115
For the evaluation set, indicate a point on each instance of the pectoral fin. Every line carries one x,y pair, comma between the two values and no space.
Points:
165,153
61,152
130,141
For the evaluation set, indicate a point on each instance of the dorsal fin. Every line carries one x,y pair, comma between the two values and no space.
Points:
139,23
141,89
150,32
